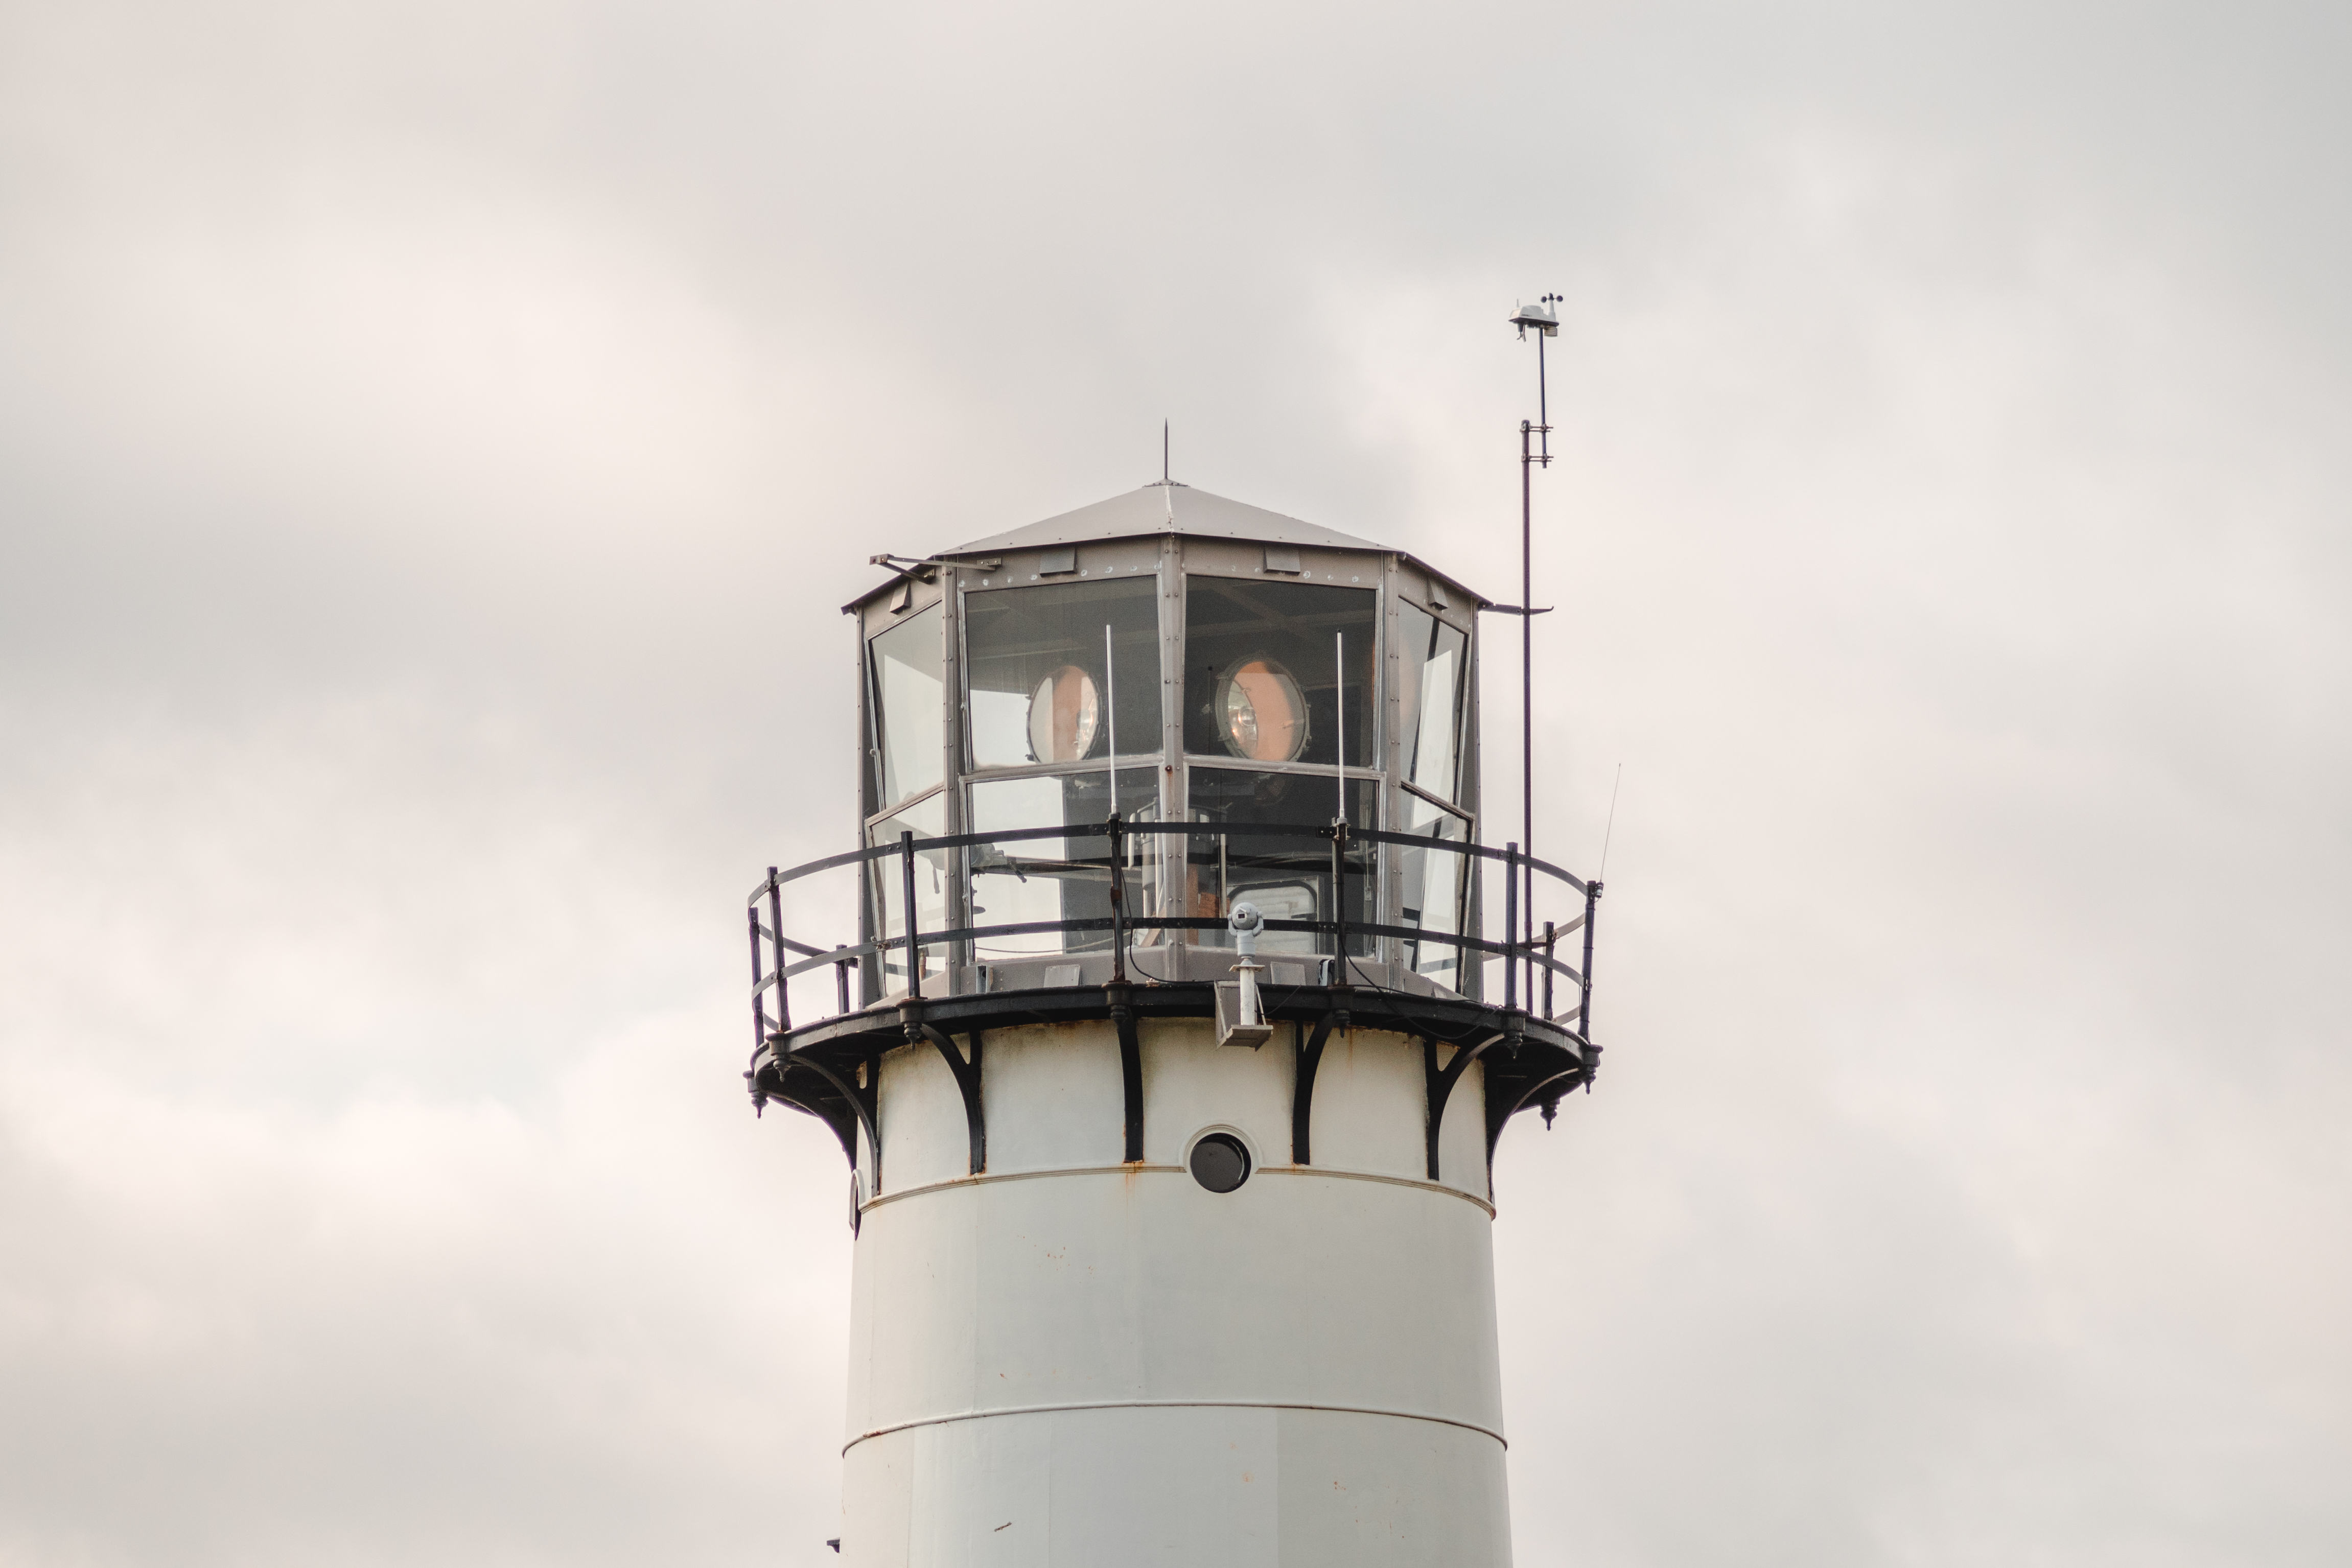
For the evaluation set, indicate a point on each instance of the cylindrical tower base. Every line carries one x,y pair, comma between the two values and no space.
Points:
1070,1360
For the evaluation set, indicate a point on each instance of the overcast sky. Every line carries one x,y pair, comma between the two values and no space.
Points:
435,440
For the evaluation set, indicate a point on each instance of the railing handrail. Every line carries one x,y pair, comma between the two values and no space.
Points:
1517,948
1175,923
1189,830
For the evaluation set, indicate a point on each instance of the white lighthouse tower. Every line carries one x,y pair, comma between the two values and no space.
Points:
1167,1252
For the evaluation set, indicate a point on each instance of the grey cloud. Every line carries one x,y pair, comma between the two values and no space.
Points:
432,445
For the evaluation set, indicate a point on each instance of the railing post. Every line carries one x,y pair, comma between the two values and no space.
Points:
1591,910
841,976
1511,926
1118,835
776,938
1548,940
759,1012
906,880
1340,900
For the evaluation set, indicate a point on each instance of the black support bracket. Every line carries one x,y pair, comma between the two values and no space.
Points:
1130,1068
867,1103
1302,1091
967,1077
1500,1111
1441,1082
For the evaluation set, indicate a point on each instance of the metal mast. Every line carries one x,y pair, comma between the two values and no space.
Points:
1544,316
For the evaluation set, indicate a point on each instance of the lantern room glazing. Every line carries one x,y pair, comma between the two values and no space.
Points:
1215,664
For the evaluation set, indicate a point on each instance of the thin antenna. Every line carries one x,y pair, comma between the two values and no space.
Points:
1163,452
1612,828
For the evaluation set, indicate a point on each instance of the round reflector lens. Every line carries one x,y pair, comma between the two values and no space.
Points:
1063,715
1260,713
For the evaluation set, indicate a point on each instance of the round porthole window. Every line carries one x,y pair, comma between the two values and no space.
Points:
1260,714
1220,1162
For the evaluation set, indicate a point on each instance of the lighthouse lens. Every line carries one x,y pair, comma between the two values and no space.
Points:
1064,714
1220,1162
1264,715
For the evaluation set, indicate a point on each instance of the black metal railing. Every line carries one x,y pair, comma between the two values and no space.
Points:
777,959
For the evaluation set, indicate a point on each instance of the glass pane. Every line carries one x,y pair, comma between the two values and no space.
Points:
1064,877
1261,676
1287,875
928,820
1434,880
904,675
1040,689
1433,660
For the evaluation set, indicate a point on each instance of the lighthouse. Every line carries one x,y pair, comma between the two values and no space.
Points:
1171,1048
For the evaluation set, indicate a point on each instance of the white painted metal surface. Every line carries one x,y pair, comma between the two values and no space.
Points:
1068,1361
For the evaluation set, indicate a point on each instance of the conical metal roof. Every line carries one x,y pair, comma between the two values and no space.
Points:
1166,507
